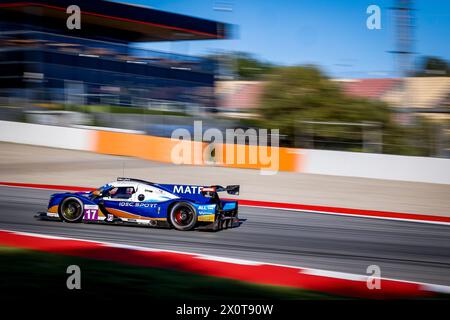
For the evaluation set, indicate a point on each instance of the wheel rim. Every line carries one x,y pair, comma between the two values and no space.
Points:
71,210
183,216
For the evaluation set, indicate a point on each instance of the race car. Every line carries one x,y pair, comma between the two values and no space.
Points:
134,201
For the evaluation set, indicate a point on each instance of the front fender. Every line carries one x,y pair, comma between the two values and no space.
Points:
56,198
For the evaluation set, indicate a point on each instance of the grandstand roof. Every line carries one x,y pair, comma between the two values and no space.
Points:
125,21
368,88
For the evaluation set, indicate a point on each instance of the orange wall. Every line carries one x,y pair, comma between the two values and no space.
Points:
160,149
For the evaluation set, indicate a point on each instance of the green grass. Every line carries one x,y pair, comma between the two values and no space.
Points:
118,109
33,274
109,109
130,110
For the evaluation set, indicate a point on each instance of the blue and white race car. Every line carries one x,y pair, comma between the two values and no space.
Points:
133,201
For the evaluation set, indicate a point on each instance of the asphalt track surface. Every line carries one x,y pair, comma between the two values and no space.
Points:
411,251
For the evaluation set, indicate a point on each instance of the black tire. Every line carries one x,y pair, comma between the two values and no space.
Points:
71,210
183,216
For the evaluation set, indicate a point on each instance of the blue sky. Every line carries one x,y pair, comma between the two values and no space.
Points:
331,34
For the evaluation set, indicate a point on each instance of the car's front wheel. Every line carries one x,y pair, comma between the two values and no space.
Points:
71,210
183,216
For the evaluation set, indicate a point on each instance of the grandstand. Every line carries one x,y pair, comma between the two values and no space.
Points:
415,93
428,96
238,97
367,88
42,60
419,92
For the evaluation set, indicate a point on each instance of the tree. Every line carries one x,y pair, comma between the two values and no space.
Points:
249,67
301,101
241,64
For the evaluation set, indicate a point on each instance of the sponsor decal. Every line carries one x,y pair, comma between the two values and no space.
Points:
187,189
138,204
90,212
206,218
206,209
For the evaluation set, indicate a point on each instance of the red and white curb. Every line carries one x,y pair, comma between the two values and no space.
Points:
385,215
334,283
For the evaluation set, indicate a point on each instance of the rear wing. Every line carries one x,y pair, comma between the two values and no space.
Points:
233,189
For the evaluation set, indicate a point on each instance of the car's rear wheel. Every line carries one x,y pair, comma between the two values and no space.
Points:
183,216
71,210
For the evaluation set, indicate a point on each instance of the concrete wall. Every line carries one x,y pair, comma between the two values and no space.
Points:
48,136
376,166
